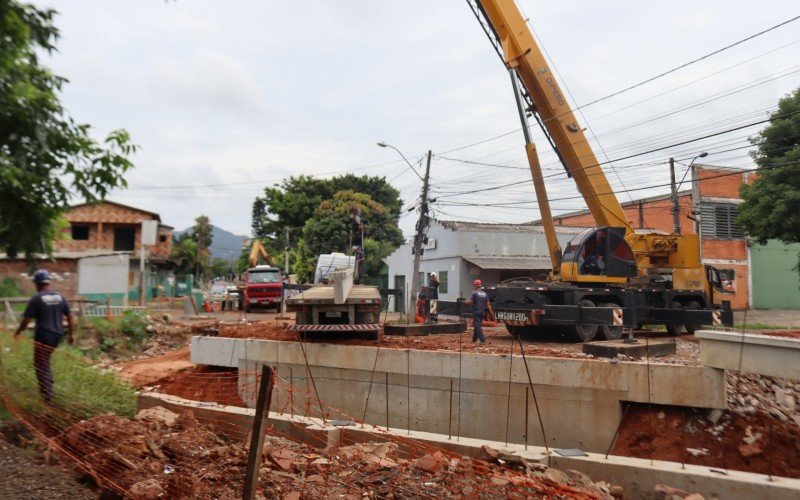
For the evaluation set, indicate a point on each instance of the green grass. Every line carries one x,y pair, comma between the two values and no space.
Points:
121,335
751,326
81,390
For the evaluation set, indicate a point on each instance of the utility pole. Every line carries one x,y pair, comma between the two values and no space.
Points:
422,224
676,222
286,255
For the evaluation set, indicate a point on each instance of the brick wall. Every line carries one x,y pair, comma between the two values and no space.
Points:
721,182
64,273
102,219
657,215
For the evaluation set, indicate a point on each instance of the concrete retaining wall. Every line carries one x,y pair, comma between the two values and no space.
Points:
579,400
751,353
637,476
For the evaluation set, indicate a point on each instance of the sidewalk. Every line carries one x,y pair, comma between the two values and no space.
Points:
788,318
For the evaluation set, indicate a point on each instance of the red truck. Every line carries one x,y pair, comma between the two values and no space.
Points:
262,287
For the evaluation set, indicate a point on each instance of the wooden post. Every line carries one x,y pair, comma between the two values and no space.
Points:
108,307
257,434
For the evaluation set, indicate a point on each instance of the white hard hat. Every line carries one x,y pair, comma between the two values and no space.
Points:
434,274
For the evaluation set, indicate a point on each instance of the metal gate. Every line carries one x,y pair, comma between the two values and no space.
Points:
776,282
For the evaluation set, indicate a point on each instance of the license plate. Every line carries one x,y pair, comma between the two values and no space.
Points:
253,301
516,316
333,315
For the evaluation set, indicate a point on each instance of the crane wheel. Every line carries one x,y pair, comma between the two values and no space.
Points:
673,329
692,327
585,333
609,332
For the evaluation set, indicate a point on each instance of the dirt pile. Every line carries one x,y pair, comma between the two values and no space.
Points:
161,454
757,442
203,383
498,340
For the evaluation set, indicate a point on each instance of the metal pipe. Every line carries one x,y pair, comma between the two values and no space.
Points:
450,414
387,400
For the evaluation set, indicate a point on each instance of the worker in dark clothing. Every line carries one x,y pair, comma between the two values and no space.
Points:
595,261
479,301
47,308
360,265
433,297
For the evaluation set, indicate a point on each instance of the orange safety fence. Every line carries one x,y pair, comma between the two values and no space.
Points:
189,437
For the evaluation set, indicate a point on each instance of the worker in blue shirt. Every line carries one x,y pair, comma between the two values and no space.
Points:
479,301
47,308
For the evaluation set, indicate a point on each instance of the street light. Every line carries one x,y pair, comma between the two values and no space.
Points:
676,225
701,155
384,145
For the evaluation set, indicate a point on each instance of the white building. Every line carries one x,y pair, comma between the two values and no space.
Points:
460,252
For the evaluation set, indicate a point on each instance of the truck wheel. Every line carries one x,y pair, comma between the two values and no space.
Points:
585,333
609,332
673,329
692,327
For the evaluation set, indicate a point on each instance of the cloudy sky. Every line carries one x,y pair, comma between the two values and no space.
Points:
226,98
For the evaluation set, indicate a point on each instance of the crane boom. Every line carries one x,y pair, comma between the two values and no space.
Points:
520,52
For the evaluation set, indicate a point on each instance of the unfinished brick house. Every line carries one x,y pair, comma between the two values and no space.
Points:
756,273
116,227
113,226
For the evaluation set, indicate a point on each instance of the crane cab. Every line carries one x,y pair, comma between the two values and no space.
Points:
598,255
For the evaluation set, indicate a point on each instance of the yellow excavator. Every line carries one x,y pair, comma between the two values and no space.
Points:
609,276
258,253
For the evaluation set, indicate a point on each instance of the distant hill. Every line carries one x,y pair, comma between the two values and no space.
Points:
224,244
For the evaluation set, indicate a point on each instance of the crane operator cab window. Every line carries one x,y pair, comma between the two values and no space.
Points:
602,251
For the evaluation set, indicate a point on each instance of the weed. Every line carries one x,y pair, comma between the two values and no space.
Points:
9,287
81,389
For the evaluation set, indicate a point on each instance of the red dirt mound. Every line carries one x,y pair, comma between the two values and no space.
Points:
755,443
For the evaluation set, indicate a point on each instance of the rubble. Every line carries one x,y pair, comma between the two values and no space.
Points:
163,455
749,394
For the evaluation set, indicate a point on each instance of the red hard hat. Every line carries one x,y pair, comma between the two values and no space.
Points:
477,283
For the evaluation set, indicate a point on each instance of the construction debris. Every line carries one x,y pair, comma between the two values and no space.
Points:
164,455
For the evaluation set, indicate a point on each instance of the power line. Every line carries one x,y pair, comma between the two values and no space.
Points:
684,65
492,188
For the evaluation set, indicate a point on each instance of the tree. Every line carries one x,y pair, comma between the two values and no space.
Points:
203,232
329,231
771,208
296,200
185,253
45,156
221,268
318,220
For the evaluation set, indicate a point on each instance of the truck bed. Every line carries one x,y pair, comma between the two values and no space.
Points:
323,294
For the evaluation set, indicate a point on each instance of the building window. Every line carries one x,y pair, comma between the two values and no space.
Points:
162,238
124,238
718,221
80,233
443,281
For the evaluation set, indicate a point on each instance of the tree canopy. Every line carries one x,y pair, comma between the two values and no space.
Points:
45,155
190,249
294,202
771,208
317,213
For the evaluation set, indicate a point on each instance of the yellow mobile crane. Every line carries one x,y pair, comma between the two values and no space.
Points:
608,276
